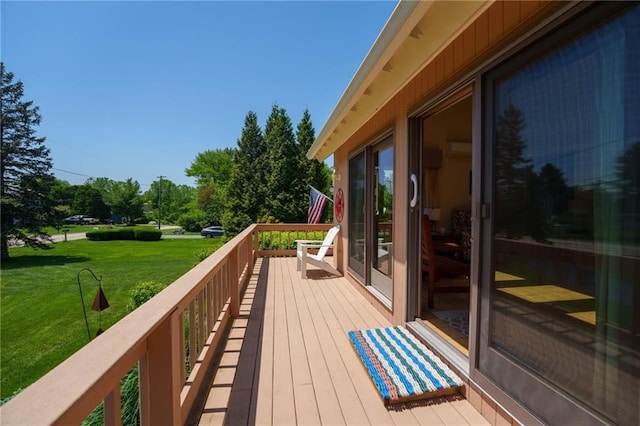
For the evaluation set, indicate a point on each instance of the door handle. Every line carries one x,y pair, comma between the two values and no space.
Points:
414,199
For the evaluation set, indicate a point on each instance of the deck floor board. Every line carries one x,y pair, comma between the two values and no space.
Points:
296,365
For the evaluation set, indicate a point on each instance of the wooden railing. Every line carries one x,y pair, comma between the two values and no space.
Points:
172,339
278,239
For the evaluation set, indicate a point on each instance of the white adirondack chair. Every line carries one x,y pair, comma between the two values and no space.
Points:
304,257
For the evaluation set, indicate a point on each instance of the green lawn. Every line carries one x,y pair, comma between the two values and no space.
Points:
41,321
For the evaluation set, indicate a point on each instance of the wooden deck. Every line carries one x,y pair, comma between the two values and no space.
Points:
289,361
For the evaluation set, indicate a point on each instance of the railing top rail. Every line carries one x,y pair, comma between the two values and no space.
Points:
293,226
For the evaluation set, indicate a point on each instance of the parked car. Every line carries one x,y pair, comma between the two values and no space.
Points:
212,231
90,220
73,220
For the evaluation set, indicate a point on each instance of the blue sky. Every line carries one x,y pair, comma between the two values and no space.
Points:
138,89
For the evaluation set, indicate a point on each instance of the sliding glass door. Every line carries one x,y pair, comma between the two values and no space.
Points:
370,217
560,317
382,237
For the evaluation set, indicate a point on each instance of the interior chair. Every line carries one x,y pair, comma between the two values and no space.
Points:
318,259
436,266
461,226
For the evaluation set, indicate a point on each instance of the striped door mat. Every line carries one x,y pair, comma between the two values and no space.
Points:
401,367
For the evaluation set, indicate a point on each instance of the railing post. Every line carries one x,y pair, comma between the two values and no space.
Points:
160,374
234,285
112,408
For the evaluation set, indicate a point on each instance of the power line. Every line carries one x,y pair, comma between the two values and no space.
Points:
72,173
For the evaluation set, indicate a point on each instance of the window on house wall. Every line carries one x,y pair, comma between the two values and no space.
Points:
565,296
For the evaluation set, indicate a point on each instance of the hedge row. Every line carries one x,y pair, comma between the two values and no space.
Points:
140,234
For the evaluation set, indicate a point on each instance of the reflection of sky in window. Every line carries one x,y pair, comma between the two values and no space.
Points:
581,103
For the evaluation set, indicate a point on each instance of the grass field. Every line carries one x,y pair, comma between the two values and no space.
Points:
41,320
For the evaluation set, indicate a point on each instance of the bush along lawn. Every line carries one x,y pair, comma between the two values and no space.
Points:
41,320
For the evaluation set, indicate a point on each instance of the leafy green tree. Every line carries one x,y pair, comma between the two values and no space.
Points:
61,197
285,183
88,201
102,184
174,200
62,193
212,170
212,166
313,172
125,200
25,178
246,191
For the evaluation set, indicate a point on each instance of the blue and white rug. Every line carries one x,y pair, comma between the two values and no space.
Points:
401,367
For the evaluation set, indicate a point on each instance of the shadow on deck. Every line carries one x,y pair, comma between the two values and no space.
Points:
288,359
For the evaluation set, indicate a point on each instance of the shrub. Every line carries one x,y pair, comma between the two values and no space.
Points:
140,234
142,292
193,220
286,240
111,234
205,252
147,234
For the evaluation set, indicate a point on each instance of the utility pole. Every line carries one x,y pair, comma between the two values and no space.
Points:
160,200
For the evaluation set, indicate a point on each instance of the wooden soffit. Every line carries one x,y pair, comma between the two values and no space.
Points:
412,37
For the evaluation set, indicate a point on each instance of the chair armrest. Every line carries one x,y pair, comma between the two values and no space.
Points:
450,247
315,245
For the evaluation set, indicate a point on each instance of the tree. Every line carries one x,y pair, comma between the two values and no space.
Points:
125,200
174,200
25,178
212,166
212,170
285,182
518,189
246,191
89,202
61,197
555,188
313,172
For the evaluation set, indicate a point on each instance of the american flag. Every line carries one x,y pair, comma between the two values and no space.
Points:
317,201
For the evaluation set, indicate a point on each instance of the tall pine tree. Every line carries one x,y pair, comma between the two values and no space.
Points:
246,192
285,181
25,179
314,173
517,187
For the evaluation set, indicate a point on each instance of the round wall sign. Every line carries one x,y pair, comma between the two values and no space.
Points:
339,205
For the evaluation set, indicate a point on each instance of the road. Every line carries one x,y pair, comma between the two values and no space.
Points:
71,236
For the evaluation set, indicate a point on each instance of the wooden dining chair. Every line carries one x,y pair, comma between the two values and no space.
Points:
438,266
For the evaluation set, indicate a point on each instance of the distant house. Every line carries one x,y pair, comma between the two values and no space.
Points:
515,126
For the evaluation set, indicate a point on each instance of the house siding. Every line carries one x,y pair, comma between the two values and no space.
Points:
491,31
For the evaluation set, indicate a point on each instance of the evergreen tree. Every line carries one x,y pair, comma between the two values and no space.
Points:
555,188
517,187
285,182
25,164
246,192
313,172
